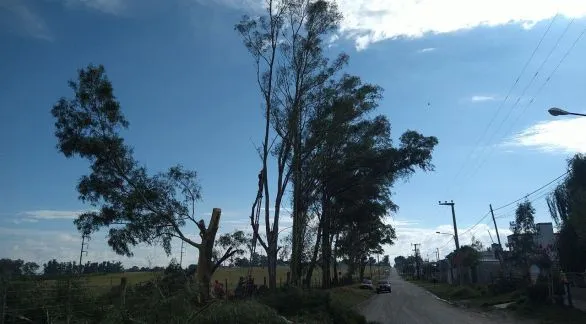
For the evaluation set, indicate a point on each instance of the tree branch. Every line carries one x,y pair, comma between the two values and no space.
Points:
226,255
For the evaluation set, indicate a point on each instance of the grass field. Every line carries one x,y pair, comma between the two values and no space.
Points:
103,282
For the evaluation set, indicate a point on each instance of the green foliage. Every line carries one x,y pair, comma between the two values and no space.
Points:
135,206
243,312
292,301
466,256
317,305
522,247
567,206
538,293
464,292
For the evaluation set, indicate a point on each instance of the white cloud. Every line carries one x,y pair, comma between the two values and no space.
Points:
482,98
51,214
426,50
22,18
369,21
409,232
564,135
105,6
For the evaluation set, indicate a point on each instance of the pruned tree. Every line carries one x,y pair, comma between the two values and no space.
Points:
134,206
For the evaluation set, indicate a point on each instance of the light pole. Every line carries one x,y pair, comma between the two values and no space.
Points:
450,234
554,111
457,248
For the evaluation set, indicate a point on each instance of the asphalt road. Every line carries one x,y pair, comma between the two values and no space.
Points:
411,304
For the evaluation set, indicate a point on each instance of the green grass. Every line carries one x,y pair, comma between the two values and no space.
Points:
550,314
476,296
350,296
233,274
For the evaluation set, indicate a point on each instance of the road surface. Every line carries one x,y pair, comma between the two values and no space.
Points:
411,304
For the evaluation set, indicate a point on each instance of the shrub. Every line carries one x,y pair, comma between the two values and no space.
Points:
314,305
464,292
237,312
294,301
538,293
344,315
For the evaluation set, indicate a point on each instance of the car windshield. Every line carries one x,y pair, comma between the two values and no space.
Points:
366,281
383,282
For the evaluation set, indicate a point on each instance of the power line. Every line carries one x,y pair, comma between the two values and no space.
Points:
544,83
507,96
531,193
490,140
477,223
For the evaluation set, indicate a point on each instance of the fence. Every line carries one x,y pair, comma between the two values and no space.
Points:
68,299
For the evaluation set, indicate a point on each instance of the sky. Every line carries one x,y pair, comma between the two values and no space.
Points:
479,75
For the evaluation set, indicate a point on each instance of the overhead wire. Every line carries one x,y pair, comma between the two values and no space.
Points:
531,193
488,145
506,97
539,90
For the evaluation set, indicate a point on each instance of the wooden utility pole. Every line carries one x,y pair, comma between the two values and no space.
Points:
498,238
451,204
84,247
416,251
181,256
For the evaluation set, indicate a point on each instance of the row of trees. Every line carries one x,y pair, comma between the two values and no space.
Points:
321,132
18,268
325,138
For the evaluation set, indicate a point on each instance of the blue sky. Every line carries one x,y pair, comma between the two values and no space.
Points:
186,83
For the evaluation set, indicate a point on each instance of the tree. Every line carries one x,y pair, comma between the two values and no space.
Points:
400,263
287,47
353,167
232,242
136,207
476,244
386,261
567,208
522,246
11,268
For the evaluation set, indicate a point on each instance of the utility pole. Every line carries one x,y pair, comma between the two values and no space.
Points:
437,254
181,256
416,251
84,247
495,227
451,204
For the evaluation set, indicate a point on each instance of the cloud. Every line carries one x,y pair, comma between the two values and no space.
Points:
369,21
46,214
426,50
556,136
106,6
482,98
23,19
410,232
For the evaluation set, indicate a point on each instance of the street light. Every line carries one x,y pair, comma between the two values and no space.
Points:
554,111
452,235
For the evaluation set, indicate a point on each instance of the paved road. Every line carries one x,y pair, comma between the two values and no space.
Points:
411,304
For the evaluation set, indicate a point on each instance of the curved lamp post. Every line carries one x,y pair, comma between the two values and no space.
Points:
554,111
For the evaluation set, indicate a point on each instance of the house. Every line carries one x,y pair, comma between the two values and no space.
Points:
544,237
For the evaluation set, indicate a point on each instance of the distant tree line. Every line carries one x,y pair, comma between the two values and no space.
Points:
18,268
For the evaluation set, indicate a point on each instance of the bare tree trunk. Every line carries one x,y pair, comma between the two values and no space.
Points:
313,261
205,265
326,246
335,259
